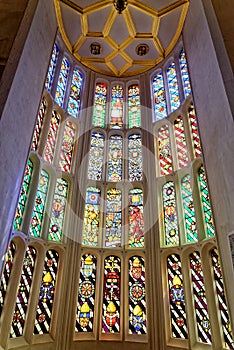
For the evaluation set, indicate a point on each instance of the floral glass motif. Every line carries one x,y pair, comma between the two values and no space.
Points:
184,74
181,147
136,218
86,294
176,297
137,302
159,96
134,158
67,147
96,156
164,151
113,218
173,87
91,225
134,107
6,274
111,295
194,131
200,302
99,110
170,215
188,208
222,303
39,206
58,210
116,117
24,193
46,294
39,124
115,158
51,69
62,82
205,201
19,316
73,106
52,137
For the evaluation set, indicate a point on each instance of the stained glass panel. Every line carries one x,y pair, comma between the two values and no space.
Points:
184,74
113,218
62,82
39,124
134,158
115,158
173,87
116,118
52,137
134,106
181,147
99,111
160,107
86,294
52,66
67,147
164,151
136,218
111,295
170,214
96,156
194,131
73,106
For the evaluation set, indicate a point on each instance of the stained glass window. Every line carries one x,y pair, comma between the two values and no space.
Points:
160,108
39,206
194,131
58,210
170,214
188,208
39,124
67,147
115,158
184,74
73,106
99,111
134,158
136,218
181,147
96,156
116,118
164,150
52,66
113,218
134,106
86,294
52,137
111,295
62,82
6,274
19,316
91,225
46,295
24,193
176,296
173,87
200,303
137,302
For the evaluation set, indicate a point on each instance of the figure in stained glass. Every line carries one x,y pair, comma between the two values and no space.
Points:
136,218
96,156
99,111
91,226
173,87
73,106
134,108
115,158
160,108
51,69
113,218
62,82
116,117
135,171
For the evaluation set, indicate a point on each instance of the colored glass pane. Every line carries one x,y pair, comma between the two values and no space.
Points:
62,82
24,193
96,156
115,158
170,215
6,274
52,137
194,131
188,208
58,210
160,107
91,225
19,316
176,297
173,87
181,147
134,106
184,74
52,66
116,118
86,294
134,158
39,206
99,110
222,303
73,106
67,147
111,295
136,290
113,218
46,295
39,124
206,205
136,218
164,150
200,303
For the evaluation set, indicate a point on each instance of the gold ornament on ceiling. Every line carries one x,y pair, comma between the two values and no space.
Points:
142,49
120,5
95,49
